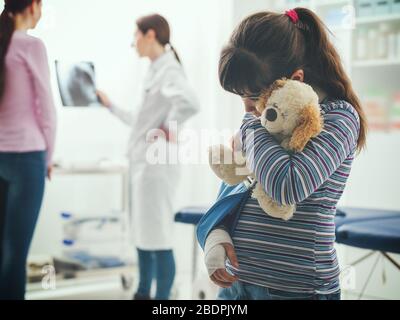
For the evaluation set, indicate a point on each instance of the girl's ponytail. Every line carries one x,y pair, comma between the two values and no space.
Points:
322,59
323,65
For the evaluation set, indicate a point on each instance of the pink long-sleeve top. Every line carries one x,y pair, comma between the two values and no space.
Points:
27,112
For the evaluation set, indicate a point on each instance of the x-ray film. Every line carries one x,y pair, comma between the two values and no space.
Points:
77,84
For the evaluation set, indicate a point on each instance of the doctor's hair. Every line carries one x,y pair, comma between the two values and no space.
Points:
7,28
267,46
161,28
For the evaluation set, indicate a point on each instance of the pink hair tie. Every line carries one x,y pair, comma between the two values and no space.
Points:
292,14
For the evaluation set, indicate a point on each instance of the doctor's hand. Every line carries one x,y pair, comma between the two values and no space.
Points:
105,101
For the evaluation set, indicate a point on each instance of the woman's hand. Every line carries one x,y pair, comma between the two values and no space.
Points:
49,172
169,135
221,277
104,100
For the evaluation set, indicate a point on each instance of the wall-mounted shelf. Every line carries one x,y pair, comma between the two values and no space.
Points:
376,63
379,18
327,3
340,28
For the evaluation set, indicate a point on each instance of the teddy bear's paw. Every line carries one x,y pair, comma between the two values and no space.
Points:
232,179
221,162
227,173
272,208
290,210
220,154
258,192
280,212
285,144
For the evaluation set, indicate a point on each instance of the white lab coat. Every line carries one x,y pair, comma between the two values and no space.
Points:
166,97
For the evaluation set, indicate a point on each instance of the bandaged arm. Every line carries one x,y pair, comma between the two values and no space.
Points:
214,252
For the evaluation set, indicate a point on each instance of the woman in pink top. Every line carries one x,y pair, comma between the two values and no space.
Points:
27,133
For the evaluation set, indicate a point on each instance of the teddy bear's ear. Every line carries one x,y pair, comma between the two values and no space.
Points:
278,84
262,102
311,124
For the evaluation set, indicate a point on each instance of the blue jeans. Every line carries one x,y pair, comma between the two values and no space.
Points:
159,265
245,291
22,180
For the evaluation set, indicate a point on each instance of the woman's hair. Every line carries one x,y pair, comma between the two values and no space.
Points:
267,46
7,26
160,26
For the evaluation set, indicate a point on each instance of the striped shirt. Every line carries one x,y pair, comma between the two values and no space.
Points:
296,255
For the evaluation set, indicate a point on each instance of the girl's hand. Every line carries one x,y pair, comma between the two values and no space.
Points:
221,277
250,106
105,101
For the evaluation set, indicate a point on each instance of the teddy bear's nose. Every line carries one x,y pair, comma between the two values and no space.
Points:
271,115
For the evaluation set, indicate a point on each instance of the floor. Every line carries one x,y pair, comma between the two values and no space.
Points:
109,287
101,288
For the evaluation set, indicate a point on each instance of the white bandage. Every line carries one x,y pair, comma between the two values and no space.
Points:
214,252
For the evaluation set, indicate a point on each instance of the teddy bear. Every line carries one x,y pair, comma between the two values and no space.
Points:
290,112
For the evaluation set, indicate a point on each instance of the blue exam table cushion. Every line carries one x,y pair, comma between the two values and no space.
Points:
190,215
346,215
377,234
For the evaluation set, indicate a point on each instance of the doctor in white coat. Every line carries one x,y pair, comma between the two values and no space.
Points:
167,100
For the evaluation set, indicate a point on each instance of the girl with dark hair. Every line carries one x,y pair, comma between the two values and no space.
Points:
269,258
27,134
167,99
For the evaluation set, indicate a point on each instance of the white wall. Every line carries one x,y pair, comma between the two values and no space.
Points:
102,31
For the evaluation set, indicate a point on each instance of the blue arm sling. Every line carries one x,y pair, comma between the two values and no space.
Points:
227,208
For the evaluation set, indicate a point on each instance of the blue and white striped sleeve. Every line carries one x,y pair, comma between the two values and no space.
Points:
291,178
